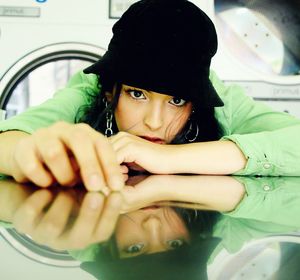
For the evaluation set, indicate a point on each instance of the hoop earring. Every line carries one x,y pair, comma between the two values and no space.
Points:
109,116
187,135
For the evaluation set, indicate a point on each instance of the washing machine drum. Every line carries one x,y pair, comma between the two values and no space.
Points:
264,34
44,70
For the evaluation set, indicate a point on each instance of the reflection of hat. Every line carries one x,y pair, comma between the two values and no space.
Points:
164,46
188,262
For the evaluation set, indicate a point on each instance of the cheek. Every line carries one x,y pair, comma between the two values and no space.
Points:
123,229
178,120
123,115
174,226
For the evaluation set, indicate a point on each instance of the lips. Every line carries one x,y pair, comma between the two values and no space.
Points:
153,139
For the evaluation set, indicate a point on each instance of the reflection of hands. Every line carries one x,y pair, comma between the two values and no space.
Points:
58,227
140,154
59,152
12,195
144,190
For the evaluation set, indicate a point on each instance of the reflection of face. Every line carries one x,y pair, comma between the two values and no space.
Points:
150,114
149,231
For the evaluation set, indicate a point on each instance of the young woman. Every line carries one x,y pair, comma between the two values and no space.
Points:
152,89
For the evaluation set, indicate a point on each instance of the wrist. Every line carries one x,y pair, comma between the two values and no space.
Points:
173,164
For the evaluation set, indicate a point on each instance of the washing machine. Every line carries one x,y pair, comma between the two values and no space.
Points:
259,48
271,257
42,44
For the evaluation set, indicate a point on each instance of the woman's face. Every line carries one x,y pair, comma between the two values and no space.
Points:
149,231
156,117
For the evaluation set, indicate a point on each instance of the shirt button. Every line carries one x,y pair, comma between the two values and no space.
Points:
267,165
266,188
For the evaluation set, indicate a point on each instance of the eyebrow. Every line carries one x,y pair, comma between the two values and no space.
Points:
145,90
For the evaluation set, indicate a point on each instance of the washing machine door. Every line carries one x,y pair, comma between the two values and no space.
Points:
260,45
273,257
36,77
263,34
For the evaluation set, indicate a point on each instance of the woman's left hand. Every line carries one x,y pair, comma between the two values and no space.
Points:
140,154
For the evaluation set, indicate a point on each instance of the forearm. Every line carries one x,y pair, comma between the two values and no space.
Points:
8,141
215,158
218,193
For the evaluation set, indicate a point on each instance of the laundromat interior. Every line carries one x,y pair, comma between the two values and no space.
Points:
43,43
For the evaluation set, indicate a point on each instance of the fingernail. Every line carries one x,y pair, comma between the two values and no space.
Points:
95,182
105,190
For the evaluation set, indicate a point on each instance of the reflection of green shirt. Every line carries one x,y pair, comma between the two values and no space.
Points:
269,139
270,206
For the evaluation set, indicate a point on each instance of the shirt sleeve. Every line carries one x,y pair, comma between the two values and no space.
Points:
269,139
5,225
273,200
64,106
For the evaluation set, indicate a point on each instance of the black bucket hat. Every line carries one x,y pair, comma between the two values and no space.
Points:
164,46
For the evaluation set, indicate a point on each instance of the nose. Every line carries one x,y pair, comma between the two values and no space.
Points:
154,117
153,227
152,222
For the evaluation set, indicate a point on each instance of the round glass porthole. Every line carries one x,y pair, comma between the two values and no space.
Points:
37,252
264,34
36,77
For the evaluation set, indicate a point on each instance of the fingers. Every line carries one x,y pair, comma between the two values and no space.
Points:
124,169
27,216
96,159
60,152
82,146
109,217
121,144
95,223
27,164
109,163
54,226
80,235
55,157
54,222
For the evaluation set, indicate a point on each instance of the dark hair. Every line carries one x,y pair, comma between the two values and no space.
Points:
94,114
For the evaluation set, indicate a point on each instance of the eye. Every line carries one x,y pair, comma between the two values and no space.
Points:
136,94
134,249
177,101
176,243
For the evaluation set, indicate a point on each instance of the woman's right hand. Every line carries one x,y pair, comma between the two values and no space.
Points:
67,154
68,219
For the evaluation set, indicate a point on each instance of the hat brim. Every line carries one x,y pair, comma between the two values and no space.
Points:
105,66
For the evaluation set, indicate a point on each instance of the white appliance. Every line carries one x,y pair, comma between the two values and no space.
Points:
21,258
43,42
263,258
259,48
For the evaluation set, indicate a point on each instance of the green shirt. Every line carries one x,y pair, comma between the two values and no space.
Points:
269,139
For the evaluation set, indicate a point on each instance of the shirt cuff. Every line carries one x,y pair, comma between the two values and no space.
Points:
261,160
